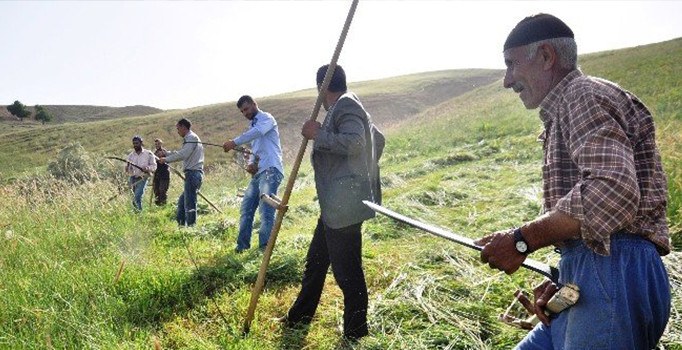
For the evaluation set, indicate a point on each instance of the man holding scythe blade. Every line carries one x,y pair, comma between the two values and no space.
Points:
605,198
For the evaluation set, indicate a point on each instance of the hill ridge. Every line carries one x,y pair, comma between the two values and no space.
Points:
81,113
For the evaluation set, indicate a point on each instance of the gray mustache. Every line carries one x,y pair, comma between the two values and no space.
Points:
517,87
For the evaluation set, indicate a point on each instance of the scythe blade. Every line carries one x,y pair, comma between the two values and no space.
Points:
548,271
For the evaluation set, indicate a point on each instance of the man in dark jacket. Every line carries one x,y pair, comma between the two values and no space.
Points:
161,176
346,151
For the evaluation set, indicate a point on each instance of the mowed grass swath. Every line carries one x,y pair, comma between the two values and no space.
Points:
79,270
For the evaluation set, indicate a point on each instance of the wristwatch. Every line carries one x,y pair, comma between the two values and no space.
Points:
519,243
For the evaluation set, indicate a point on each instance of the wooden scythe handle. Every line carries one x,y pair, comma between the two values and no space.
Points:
260,281
179,174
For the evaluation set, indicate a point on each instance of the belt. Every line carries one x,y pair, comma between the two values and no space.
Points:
616,236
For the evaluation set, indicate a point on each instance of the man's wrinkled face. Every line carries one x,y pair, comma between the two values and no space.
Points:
137,145
249,110
524,76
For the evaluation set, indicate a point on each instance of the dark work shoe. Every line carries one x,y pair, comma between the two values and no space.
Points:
353,338
285,321
288,322
355,334
347,343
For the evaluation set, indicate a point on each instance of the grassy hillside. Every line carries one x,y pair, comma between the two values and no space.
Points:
24,150
66,113
470,163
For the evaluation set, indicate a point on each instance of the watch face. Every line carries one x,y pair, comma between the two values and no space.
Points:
521,246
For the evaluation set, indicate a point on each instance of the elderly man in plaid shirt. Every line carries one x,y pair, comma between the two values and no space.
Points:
605,197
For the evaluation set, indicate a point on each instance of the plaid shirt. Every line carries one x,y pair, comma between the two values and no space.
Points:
601,165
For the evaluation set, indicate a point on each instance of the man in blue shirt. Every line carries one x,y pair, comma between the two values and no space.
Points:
265,164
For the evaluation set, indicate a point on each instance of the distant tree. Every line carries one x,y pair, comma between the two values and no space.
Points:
42,115
19,110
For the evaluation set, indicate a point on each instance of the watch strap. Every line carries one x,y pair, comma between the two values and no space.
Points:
518,237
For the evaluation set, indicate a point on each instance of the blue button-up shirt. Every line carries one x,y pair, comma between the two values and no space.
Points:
264,138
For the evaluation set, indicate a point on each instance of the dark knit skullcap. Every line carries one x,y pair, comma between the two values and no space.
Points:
137,137
535,28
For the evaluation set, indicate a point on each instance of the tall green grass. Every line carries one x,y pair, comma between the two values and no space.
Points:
66,244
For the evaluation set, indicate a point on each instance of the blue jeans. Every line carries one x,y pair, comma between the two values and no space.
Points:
138,184
187,203
267,181
624,299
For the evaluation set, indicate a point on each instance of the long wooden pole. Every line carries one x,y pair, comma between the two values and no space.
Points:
237,149
179,174
282,208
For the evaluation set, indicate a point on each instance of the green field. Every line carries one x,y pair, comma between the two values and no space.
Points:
80,270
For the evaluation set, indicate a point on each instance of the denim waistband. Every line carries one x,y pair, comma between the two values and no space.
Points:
269,169
575,244
193,170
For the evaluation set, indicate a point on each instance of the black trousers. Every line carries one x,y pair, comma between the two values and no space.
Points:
160,185
342,249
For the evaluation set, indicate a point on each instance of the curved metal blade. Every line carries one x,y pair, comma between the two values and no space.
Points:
548,271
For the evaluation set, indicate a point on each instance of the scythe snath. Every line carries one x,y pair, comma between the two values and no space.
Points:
237,149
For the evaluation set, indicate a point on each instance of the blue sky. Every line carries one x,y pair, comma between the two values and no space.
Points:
187,54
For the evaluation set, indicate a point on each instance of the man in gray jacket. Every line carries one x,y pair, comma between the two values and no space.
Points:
346,151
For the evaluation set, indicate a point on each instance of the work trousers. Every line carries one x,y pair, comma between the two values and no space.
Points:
265,182
624,299
342,249
187,203
160,185
138,183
